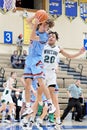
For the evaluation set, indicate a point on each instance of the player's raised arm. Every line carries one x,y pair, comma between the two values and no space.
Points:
30,21
33,34
67,55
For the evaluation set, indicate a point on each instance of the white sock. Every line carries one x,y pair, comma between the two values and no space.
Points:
49,101
25,120
41,103
58,120
32,119
27,104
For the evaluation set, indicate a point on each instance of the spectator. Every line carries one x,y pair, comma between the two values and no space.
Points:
74,92
16,63
17,99
19,44
23,57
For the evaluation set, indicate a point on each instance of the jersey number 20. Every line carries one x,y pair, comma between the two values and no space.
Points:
49,59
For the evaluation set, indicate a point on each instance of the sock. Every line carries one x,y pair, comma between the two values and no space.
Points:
32,119
27,104
25,120
49,101
58,120
41,103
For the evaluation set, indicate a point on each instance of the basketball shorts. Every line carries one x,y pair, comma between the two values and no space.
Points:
6,99
34,70
50,77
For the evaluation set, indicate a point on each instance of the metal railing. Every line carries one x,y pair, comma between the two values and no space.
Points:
80,66
2,72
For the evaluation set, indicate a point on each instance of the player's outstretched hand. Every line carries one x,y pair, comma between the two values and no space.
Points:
82,50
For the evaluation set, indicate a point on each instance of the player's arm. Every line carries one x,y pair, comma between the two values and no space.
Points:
33,34
34,27
30,21
4,84
67,55
12,88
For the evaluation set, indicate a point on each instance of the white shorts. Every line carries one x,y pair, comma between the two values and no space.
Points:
50,77
6,99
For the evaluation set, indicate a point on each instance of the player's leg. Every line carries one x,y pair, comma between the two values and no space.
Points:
28,83
43,115
53,88
4,100
11,107
34,106
54,96
30,117
42,106
28,110
45,90
3,107
34,102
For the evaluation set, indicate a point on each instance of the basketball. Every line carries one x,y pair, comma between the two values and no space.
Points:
41,15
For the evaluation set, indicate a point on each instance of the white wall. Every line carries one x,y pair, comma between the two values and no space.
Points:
11,22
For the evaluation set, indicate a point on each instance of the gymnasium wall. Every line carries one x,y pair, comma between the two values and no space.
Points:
11,22
70,33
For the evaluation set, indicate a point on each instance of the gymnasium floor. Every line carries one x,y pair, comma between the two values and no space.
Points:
67,125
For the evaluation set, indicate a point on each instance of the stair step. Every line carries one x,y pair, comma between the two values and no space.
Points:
80,77
73,73
83,81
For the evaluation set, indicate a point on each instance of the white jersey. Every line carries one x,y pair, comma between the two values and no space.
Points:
6,96
7,90
51,57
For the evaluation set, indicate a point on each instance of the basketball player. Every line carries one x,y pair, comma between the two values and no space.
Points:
51,56
34,62
6,98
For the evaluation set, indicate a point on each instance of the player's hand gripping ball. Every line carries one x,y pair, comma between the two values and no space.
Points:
41,15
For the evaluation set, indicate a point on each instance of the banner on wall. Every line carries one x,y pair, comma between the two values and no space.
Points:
83,10
6,5
55,7
71,9
27,32
1,4
85,40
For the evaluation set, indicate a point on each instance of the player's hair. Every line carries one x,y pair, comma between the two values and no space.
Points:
50,22
12,73
56,34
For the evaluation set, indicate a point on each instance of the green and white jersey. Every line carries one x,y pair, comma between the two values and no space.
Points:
8,90
51,57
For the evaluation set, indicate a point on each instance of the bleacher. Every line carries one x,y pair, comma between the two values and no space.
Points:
65,76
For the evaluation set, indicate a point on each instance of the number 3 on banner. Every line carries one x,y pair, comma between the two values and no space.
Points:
8,37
